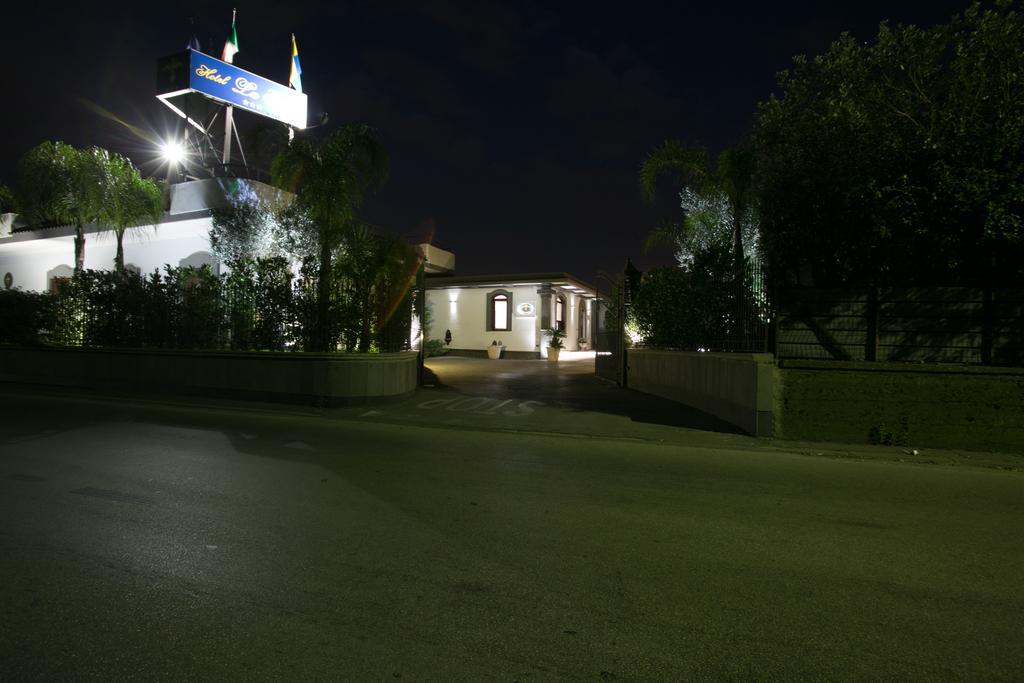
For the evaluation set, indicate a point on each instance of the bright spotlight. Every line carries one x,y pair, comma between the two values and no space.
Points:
173,152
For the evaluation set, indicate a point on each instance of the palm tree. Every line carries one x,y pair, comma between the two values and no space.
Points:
732,178
375,272
54,184
128,199
330,180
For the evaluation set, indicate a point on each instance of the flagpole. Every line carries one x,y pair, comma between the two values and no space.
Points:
291,130
229,111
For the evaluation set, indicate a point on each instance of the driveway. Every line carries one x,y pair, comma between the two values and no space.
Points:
543,397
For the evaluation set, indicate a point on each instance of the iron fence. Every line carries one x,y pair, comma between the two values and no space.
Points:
916,324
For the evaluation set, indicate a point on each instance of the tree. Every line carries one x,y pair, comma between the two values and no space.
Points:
245,229
125,198
54,185
7,201
374,274
717,206
687,308
330,180
703,195
900,162
706,225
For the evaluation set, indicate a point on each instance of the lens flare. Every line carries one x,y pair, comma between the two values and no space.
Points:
173,152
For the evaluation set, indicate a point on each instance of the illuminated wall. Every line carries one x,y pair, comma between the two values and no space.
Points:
31,257
464,312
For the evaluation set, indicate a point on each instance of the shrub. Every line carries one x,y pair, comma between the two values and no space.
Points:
23,315
434,347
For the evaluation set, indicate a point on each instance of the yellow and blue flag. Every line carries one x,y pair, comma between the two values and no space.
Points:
295,77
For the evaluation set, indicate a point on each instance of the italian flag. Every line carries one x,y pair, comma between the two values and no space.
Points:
231,44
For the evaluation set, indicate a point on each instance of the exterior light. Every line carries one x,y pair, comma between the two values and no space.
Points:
172,152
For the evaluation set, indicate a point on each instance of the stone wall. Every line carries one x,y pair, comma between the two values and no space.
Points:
912,404
903,404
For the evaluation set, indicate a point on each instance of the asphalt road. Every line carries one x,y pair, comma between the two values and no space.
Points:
158,542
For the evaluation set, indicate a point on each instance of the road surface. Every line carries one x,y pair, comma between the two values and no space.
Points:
157,541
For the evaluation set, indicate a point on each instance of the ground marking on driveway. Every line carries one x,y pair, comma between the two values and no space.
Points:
479,405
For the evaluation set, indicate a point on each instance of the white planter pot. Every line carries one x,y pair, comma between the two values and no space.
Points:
553,354
494,352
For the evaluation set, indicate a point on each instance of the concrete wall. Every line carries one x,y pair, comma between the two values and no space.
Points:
463,310
736,387
902,404
306,378
911,404
214,193
32,258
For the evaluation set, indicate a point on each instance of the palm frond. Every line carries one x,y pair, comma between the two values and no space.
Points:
689,164
667,233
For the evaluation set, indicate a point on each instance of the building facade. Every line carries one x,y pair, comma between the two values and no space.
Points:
471,313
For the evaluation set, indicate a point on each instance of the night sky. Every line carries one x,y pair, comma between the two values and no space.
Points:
515,130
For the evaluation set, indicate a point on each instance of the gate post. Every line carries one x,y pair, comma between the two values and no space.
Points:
871,336
421,304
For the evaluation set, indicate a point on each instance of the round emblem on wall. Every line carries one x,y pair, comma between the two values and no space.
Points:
525,308
8,280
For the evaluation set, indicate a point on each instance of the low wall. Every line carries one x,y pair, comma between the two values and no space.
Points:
736,387
913,404
307,378
905,404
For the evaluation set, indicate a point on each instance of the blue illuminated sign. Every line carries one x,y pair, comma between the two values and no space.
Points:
229,84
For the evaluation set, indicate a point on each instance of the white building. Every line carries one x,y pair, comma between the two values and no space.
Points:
472,311
36,259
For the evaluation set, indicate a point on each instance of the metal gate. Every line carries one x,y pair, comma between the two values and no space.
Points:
609,338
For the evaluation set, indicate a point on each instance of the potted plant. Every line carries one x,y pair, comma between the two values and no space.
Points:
584,345
494,350
555,345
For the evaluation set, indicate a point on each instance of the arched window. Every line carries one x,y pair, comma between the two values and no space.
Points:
499,311
58,277
560,312
198,259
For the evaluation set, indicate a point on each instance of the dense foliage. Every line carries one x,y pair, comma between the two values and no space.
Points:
717,203
246,228
688,307
712,300
7,201
258,305
900,162
330,180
